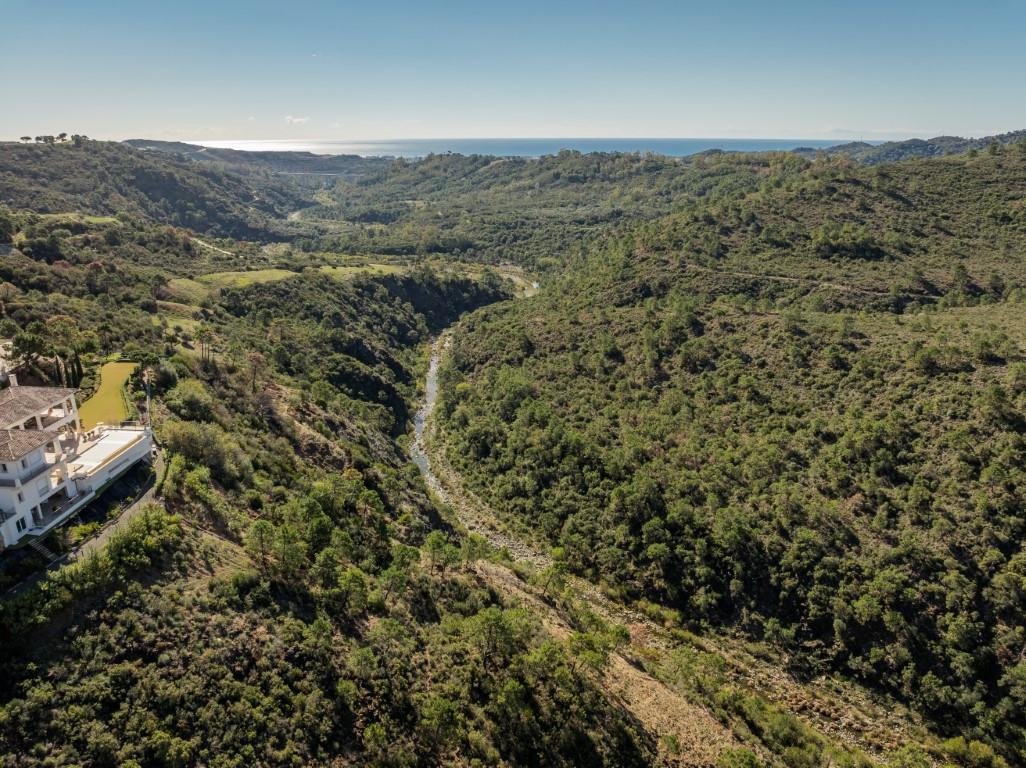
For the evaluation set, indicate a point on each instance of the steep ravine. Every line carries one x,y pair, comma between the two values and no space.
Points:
681,725
696,737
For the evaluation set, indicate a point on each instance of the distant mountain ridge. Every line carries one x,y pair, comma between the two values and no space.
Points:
910,149
349,167
352,166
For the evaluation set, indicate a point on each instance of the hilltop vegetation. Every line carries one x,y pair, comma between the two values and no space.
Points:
245,162
796,414
913,149
918,230
108,179
531,212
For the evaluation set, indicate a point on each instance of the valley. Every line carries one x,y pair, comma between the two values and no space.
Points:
594,459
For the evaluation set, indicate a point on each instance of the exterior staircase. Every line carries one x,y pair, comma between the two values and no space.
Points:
41,548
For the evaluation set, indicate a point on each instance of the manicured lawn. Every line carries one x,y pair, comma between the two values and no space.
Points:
107,404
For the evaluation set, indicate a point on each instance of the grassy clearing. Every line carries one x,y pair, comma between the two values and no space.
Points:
348,272
187,324
191,291
78,217
176,314
187,290
77,222
242,279
108,405
176,308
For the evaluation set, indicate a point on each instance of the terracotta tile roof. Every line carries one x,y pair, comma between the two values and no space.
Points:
15,443
17,404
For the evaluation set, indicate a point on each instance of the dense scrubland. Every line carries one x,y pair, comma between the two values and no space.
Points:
797,414
769,398
534,213
109,179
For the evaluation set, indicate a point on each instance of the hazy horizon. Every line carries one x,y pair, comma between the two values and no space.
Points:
515,147
268,142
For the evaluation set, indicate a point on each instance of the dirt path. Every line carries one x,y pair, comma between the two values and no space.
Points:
211,247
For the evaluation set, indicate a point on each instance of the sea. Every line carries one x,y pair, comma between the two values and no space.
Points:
516,147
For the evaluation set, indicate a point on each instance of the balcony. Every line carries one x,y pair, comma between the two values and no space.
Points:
26,476
91,462
56,417
56,510
54,482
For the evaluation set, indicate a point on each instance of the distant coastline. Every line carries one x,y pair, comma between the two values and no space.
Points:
515,147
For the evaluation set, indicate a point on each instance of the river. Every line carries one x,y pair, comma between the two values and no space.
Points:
418,452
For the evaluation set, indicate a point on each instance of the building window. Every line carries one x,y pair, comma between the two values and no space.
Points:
21,524
24,464
3,468
20,497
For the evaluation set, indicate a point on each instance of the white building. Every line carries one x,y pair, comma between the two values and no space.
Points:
49,467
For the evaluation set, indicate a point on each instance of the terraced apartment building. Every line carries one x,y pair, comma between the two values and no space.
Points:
49,466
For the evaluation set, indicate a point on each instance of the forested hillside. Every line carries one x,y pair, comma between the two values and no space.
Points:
110,179
796,414
532,212
529,212
911,149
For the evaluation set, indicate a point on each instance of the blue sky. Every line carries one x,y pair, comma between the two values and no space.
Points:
369,70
